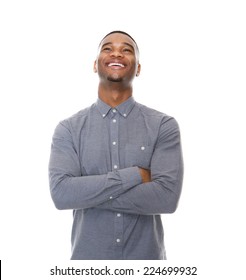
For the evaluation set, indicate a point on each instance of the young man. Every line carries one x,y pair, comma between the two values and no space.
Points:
117,164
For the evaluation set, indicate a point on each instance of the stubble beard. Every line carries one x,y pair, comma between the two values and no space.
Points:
115,78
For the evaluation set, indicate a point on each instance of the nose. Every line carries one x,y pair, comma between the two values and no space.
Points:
116,53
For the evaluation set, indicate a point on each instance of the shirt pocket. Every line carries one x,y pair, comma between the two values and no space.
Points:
138,155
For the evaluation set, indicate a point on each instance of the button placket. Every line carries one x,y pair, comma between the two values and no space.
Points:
114,129
118,237
114,137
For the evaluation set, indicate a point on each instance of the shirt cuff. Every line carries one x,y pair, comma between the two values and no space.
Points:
130,177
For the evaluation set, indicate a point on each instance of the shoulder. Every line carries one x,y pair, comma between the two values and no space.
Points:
153,114
165,122
74,122
78,117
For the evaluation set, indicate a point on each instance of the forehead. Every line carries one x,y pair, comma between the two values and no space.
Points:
118,38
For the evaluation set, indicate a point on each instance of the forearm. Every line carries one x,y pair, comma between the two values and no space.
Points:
156,197
79,192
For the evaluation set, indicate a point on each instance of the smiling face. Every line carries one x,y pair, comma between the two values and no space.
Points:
117,60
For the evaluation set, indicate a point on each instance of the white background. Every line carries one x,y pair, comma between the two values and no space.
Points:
193,68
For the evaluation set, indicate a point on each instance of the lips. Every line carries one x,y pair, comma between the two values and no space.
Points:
116,65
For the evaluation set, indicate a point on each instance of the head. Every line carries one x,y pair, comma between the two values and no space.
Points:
118,58
124,33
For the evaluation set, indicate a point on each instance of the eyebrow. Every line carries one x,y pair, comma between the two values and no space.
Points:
124,43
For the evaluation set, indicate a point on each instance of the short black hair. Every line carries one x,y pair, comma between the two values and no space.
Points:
121,32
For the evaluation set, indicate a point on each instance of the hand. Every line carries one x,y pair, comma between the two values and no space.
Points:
145,174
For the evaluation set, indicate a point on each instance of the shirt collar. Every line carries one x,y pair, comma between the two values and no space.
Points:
124,108
102,107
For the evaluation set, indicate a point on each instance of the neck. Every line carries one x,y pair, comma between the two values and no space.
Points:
114,95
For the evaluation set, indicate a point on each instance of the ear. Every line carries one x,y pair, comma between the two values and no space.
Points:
95,66
138,70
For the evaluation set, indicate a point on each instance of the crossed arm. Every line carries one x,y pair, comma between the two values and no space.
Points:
131,190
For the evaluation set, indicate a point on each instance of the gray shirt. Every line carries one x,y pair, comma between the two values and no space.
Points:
93,170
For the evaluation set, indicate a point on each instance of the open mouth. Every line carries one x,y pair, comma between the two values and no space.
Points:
116,65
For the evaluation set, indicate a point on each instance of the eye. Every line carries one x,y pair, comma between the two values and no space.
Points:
106,49
127,50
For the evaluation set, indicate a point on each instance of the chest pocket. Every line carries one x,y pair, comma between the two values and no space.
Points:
138,155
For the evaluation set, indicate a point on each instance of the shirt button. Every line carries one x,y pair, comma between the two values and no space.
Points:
114,120
115,166
118,215
114,143
110,197
124,115
117,240
103,115
114,110
142,148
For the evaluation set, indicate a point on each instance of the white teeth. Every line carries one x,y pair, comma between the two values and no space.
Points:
116,64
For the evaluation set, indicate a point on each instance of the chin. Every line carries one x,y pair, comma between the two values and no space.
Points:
116,80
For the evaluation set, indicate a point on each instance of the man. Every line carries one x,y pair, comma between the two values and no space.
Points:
117,164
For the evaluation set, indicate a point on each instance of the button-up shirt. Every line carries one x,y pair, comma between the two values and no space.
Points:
94,170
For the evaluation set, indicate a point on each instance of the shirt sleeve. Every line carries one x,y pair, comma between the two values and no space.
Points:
162,194
69,189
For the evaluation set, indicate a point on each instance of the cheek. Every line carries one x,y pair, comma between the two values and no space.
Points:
134,68
100,63
98,67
